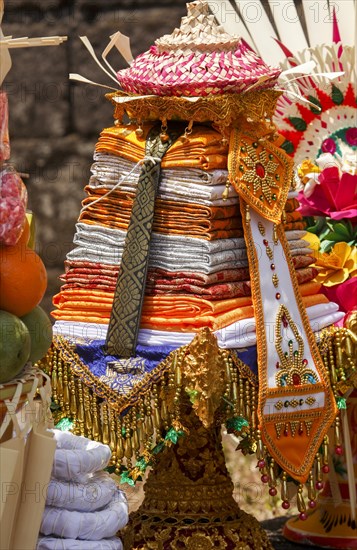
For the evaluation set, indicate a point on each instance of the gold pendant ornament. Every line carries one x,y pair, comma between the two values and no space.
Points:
259,171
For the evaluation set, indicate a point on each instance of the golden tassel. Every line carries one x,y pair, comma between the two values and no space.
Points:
301,506
284,492
318,474
311,491
95,422
54,376
59,381
80,411
66,397
247,411
149,425
87,411
164,414
113,437
253,417
72,397
157,419
128,450
119,447
105,424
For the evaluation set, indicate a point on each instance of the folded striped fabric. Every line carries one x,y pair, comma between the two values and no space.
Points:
186,312
235,336
198,270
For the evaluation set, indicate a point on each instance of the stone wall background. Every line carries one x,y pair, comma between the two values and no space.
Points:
54,123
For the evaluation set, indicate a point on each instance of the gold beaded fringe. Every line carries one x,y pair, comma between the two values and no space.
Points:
214,382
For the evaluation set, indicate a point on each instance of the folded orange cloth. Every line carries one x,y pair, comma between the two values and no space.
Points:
291,205
294,216
184,313
170,217
306,289
206,233
203,148
171,312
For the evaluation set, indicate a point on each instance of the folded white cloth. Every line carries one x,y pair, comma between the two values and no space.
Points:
55,543
111,169
90,526
178,184
238,335
76,457
83,497
105,245
91,234
97,243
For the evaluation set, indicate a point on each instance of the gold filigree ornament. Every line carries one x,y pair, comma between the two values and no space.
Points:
260,172
203,371
293,370
223,110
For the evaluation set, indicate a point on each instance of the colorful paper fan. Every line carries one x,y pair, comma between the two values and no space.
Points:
328,124
321,32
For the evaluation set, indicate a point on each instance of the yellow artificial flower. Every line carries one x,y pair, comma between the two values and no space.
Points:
338,265
305,168
314,243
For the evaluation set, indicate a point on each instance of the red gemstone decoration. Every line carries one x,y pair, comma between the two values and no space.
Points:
265,478
319,485
301,431
286,433
272,491
285,505
325,469
260,170
261,463
285,321
338,450
303,516
277,365
304,362
265,242
296,379
278,295
272,267
312,503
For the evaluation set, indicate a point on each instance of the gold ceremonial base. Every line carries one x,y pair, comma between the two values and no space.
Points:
326,527
189,501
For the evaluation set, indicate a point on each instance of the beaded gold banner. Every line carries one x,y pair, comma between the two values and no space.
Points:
290,368
296,404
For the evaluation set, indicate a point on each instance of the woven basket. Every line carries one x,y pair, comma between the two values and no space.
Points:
198,59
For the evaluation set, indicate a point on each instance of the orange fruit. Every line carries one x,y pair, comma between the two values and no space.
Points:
23,279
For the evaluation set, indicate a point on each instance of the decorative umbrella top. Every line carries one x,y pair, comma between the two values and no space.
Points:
198,59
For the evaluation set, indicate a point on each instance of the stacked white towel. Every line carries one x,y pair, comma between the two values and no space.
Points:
84,508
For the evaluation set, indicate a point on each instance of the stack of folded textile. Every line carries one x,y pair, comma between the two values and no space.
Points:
198,268
84,507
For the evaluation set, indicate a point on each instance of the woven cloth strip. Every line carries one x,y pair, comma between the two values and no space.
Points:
128,300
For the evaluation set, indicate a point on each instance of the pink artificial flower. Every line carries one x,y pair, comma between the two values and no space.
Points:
334,196
345,294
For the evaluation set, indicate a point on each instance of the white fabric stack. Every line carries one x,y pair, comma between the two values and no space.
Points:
84,508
